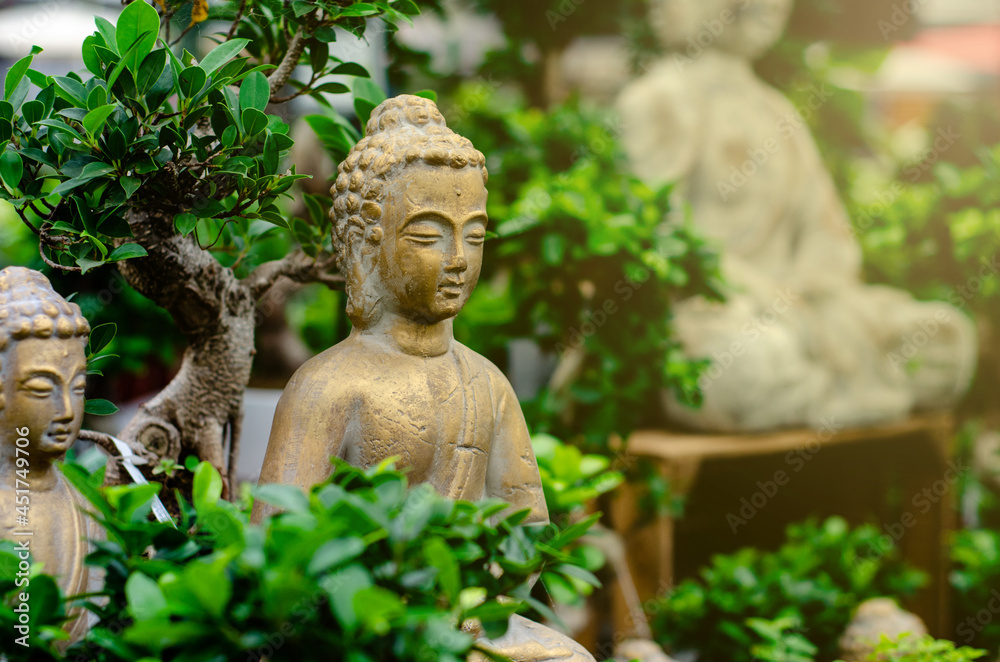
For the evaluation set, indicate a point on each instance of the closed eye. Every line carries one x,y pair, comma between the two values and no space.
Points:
476,238
37,387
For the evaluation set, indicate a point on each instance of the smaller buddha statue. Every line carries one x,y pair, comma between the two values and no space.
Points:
43,369
409,210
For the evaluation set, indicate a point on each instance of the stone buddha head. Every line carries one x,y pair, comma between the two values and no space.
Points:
746,28
409,216
43,366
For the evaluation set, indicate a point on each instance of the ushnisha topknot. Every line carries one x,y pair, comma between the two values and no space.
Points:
401,131
29,307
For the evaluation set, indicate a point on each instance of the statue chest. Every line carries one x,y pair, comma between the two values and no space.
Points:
437,418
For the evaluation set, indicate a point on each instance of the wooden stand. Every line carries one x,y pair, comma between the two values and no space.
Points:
743,490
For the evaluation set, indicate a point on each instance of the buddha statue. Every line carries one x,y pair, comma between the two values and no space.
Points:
43,367
409,211
800,340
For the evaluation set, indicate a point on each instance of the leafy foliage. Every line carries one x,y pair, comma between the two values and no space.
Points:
572,481
782,642
582,261
976,579
361,567
165,134
816,579
909,648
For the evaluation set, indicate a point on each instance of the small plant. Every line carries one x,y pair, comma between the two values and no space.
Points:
910,648
976,579
816,579
782,640
361,567
166,466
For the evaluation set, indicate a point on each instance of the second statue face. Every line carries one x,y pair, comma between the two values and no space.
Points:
432,250
44,381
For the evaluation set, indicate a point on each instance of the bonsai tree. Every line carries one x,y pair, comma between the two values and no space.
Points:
170,167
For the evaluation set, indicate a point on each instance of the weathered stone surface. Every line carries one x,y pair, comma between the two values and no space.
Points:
873,620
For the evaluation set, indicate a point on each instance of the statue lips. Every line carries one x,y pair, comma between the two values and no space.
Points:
60,436
452,289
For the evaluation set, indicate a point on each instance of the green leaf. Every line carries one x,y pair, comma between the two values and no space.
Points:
99,407
254,92
7,111
145,599
73,90
14,76
286,497
207,487
222,53
185,223
270,154
100,337
254,121
440,556
107,30
332,88
351,69
427,94
334,552
192,80
408,7
367,95
126,251
151,69
95,119
90,57
138,24
130,185
11,168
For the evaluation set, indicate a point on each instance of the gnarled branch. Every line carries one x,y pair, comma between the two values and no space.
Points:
296,266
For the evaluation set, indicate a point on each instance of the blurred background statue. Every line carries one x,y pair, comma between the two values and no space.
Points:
43,366
800,340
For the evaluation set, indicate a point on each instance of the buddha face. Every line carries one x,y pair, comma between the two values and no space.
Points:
434,224
43,386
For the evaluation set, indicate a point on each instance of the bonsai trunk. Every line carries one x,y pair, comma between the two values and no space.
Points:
199,412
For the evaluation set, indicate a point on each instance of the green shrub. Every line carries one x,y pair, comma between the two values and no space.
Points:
572,481
976,579
361,568
817,578
909,648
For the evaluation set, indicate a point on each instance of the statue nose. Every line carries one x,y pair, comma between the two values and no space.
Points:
458,263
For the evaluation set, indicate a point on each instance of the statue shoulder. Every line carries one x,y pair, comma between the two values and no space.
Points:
499,384
331,374
661,122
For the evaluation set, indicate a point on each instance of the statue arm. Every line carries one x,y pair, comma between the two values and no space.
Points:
304,436
512,472
659,127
